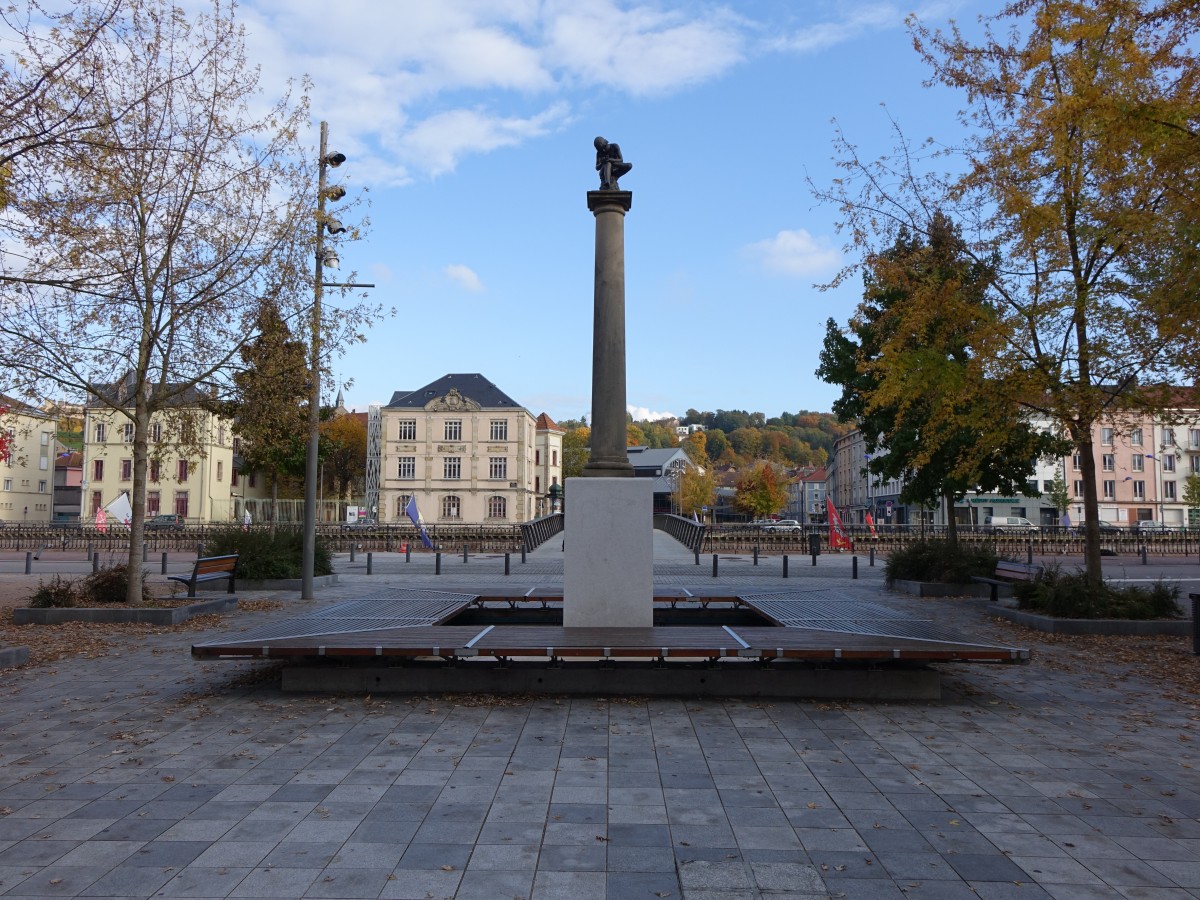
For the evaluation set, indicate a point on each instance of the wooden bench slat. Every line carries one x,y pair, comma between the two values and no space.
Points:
209,568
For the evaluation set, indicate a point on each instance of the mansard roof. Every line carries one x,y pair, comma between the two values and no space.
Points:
470,385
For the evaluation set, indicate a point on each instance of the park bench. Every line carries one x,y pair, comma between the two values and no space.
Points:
1008,572
209,568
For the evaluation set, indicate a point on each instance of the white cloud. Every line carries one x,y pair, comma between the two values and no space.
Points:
821,35
645,414
438,143
795,253
464,276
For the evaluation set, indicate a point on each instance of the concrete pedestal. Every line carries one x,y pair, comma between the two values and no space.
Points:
608,573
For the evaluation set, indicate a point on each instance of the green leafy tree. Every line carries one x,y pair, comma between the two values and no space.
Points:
1058,492
269,408
1191,492
695,489
914,383
1079,173
715,445
761,491
576,448
344,453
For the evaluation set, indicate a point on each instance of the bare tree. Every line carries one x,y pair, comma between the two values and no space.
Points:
138,254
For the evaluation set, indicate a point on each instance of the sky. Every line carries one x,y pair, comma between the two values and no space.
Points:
468,127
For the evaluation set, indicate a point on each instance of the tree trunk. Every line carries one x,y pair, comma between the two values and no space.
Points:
1092,565
137,523
951,523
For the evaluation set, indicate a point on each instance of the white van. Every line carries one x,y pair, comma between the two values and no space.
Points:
1009,523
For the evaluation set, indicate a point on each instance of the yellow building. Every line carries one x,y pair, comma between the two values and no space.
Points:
27,467
467,452
193,470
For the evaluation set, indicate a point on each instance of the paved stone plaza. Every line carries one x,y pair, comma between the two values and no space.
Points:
147,774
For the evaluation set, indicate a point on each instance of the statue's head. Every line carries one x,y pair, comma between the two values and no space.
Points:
600,143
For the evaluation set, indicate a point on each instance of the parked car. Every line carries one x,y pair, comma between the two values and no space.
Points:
1008,523
789,525
1151,525
1105,528
165,522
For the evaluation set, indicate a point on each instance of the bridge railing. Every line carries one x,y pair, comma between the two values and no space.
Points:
687,531
537,532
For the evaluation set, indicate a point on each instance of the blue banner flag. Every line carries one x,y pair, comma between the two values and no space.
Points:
415,514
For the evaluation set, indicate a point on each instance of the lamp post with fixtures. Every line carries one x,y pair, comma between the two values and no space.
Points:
325,257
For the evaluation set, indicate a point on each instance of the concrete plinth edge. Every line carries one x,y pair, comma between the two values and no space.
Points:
13,656
174,616
1052,625
608,572
620,680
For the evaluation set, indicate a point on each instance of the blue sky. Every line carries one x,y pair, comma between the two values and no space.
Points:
470,124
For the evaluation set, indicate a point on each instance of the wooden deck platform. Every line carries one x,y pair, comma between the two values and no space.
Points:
820,627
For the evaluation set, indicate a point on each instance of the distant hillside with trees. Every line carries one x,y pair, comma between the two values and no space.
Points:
735,438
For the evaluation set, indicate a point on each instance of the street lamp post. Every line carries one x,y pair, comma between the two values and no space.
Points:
325,257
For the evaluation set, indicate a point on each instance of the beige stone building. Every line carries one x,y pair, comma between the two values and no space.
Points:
194,469
468,453
27,468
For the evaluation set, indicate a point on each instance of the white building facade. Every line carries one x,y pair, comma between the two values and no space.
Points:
467,452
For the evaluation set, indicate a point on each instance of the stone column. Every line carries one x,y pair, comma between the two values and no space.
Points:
608,456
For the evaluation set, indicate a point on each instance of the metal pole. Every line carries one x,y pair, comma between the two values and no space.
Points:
164,562
437,563
314,398
872,557
1195,624
95,562
407,552
352,551
465,552
369,560
756,554
714,565
507,561
785,565
28,562
854,567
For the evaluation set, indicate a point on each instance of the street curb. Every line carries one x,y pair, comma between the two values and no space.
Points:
52,616
13,656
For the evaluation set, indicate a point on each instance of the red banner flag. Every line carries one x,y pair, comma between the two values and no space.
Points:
871,524
838,539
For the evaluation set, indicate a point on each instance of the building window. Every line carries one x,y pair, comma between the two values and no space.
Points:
100,432
498,467
233,478
452,467
8,484
155,470
253,479
181,474
181,503
1138,462
156,432
497,508
1110,490
1075,464
1109,462
126,469
1139,490
1168,463
453,430
406,468
220,435
537,484
127,432
537,457
220,470
1047,487
1135,437
406,430
97,501
1168,490
1168,437
1106,436
1196,465
450,508
499,430
237,445
41,487
97,470
1194,439
402,505
152,501
554,457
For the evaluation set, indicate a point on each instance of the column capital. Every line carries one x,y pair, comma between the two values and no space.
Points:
603,201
